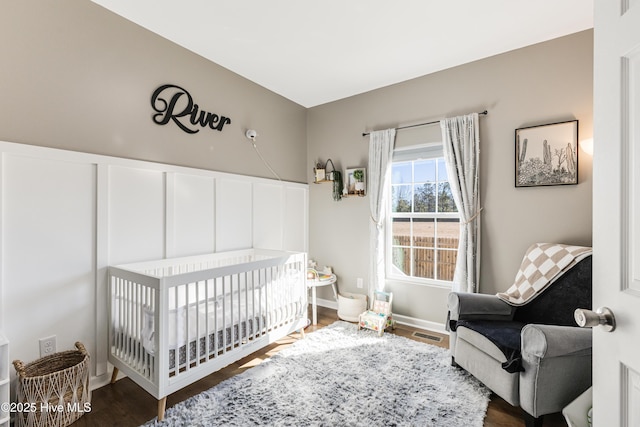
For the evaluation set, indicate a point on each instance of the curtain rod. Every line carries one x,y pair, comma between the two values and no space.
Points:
484,113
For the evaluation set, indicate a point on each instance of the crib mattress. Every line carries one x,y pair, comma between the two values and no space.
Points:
187,323
233,335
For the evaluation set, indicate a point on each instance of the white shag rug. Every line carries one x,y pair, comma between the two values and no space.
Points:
339,376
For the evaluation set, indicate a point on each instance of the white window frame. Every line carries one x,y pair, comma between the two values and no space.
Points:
413,153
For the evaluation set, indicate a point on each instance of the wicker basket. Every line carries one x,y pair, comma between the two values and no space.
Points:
53,391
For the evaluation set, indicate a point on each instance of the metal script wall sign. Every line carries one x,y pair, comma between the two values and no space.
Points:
174,103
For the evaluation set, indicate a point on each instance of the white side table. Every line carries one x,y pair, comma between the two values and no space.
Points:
313,284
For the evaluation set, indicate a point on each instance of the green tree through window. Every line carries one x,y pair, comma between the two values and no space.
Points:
424,222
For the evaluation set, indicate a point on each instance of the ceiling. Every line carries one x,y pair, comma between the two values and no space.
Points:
314,52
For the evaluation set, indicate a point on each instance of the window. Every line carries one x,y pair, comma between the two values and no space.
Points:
423,220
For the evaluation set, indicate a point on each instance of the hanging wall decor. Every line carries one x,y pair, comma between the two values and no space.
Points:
322,174
173,103
547,154
356,181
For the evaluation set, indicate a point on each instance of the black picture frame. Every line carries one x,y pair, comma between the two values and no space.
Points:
547,154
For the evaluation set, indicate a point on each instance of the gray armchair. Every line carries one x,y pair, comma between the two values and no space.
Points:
533,356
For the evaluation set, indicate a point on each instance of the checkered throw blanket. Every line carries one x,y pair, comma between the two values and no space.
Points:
542,265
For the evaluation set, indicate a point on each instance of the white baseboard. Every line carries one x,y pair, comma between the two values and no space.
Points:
95,382
403,320
420,323
327,303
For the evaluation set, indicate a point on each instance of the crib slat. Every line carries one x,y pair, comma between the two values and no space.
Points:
246,307
215,327
224,315
174,338
186,328
135,304
128,321
233,280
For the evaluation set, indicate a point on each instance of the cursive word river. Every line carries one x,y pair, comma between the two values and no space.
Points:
173,103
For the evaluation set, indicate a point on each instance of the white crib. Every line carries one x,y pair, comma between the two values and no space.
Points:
175,321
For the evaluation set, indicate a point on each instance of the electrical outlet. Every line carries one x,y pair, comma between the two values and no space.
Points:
359,283
47,346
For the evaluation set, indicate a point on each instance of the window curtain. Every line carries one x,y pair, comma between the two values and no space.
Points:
460,136
380,154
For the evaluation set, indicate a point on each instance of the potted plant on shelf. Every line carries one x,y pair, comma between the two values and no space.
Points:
358,175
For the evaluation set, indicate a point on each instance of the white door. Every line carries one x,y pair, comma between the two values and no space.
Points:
616,211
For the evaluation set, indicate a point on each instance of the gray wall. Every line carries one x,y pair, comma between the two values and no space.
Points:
544,83
78,77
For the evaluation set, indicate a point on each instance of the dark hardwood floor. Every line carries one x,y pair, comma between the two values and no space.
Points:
125,404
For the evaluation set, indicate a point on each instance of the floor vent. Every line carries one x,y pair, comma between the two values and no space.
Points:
427,336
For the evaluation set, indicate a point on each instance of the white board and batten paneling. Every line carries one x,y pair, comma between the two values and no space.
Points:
275,222
192,208
66,216
268,218
136,214
295,226
233,214
48,258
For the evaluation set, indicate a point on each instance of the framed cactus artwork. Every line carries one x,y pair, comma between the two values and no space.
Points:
547,154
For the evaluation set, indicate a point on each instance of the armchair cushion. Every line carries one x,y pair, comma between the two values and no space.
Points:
505,335
481,343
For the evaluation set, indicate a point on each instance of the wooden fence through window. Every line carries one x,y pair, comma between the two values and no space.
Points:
424,256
